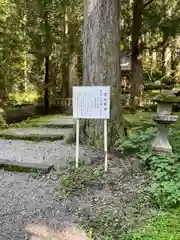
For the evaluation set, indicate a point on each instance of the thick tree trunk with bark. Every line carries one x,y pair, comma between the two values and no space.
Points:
101,62
136,76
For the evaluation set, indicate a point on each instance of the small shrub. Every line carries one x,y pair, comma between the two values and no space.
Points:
20,98
165,176
2,122
107,225
139,140
174,138
74,180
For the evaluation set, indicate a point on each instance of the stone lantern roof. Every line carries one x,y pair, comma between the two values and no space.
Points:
168,96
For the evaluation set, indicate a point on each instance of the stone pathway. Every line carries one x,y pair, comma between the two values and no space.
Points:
30,131
29,208
57,153
55,128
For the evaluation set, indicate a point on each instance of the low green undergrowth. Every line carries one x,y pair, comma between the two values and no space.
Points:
164,187
109,225
163,191
162,227
174,139
164,169
2,122
138,141
74,181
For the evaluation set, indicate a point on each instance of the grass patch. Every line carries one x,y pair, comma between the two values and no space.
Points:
74,181
162,227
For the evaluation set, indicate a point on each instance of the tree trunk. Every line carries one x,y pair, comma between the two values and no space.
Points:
65,77
136,76
101,62
79,69
47,46
166,54
154,60
65,57
46,82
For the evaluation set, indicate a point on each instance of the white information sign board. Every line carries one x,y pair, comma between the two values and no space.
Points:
91,102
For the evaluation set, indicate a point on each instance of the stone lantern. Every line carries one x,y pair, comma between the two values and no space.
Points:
164,119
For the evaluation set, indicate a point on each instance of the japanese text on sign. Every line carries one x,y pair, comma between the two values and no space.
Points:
91,102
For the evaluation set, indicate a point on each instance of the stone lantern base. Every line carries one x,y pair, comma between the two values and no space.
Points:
161,143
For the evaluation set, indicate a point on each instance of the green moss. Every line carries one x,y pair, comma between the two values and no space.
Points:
16,168
41,125
45,119
168,80
152,86
45,122
32,137
169,98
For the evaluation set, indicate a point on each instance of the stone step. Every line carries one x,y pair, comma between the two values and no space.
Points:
35,134
54,122
57,153
25,166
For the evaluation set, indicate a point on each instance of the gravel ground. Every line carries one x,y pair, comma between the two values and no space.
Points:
57,152
26,200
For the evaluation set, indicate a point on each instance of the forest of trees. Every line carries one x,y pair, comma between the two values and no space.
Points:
42,46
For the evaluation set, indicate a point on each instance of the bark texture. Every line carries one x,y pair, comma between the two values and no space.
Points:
166,55
48,47
46,82
101,61
137,76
